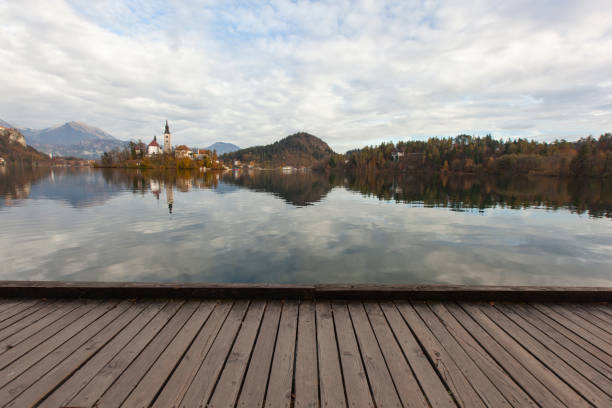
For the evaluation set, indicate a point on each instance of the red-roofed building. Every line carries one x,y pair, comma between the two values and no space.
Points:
153,147
202,153
182,152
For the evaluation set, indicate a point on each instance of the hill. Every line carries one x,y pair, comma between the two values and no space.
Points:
13,148
222,147
300,149
72,139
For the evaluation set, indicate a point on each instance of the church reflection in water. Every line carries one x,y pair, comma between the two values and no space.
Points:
458,193
86,187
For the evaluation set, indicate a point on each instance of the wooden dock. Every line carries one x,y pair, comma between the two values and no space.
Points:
302,346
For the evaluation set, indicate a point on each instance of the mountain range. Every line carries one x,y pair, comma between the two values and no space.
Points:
70,139
81,140
66,134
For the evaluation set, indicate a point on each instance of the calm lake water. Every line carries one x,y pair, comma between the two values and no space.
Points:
115,225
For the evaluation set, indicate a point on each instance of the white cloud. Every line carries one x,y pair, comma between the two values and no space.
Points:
351,72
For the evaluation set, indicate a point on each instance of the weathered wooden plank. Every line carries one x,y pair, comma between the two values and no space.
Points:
514,352
306,367
433,388
462,390
577,329
331,388
584,323
506,385
256,380
44,376
553,361
281,374
176,387
590,367
49,353
518,367
560,389
596,310
146,390
531,311
462,292
49,289
590,317
88,396
117,393
7,303
531,316
204,381
228,386
155,290
13,338
27,356
383,389
18,308
605,308
407,387
63,394
355,378
40,308
485,388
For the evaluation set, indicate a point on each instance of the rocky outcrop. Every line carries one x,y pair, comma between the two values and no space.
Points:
13,148
13,135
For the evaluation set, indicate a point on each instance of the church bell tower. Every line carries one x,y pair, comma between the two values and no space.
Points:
167,139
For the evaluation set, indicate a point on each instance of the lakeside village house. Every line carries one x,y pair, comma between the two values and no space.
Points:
180,152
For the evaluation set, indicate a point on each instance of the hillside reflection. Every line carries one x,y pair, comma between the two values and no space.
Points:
87,187
591,196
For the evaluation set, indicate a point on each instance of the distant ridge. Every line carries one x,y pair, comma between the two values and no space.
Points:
66,134
300,149
223,147
6,124
71,139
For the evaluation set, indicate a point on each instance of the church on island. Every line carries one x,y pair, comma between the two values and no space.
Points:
154,148
180,152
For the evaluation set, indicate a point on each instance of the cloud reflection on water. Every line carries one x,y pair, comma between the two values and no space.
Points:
246,236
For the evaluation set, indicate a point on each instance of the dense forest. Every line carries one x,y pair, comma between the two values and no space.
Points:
463,154
467,154
300,149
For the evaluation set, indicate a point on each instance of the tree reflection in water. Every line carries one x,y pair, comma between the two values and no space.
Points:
458,193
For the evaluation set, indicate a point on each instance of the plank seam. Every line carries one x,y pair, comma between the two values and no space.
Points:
90,357
280,317
138,355
162,352
429,358
248,364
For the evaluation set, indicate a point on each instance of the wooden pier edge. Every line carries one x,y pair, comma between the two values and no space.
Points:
125,290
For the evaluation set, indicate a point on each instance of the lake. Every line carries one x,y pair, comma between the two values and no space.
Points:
302,227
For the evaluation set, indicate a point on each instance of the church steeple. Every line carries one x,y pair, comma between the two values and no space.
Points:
167,139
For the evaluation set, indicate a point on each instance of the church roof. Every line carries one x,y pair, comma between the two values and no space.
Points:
154,142
167,130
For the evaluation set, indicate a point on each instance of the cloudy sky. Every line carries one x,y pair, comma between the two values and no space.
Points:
350,72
